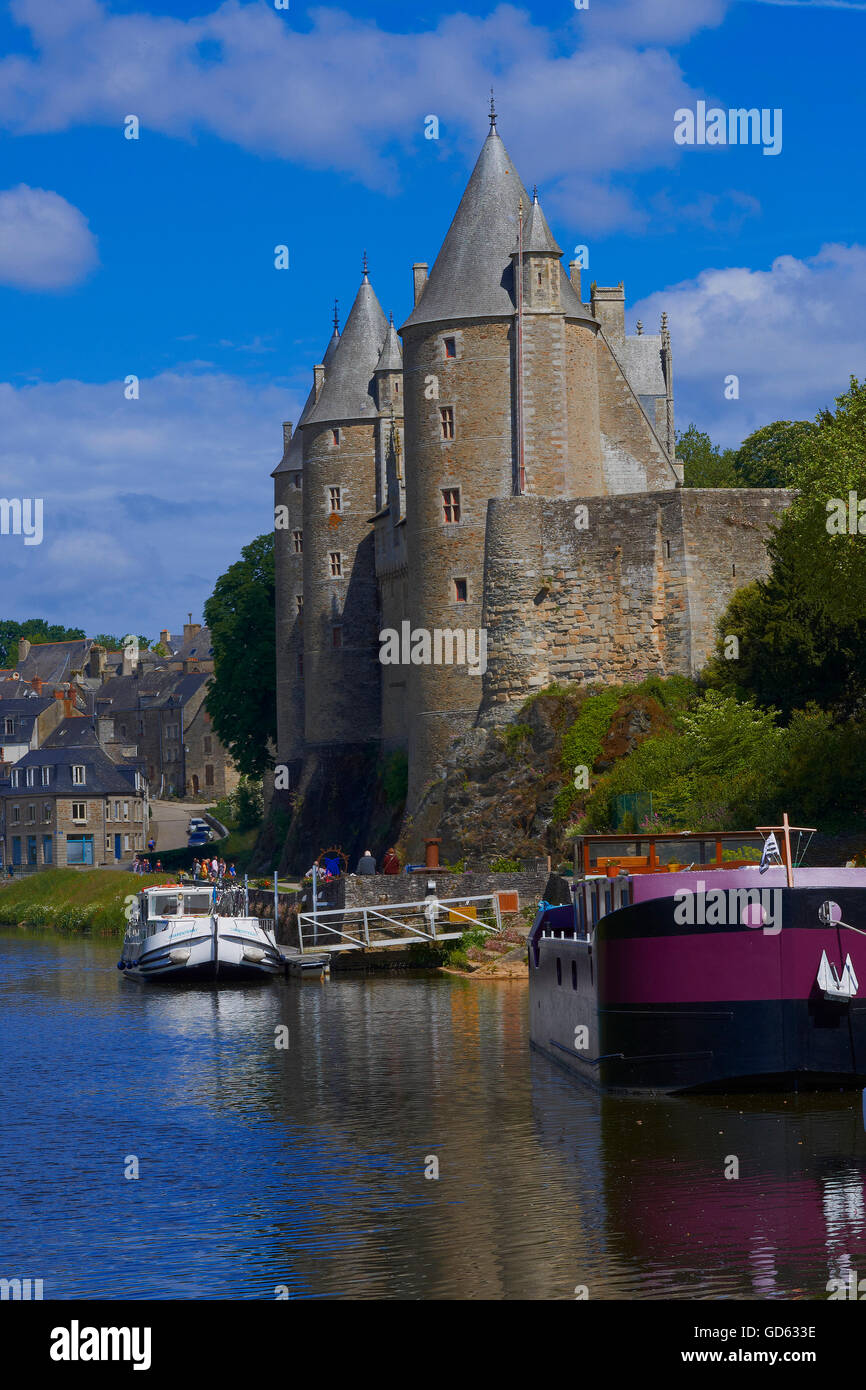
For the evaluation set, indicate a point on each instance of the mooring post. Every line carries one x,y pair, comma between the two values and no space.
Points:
246,895
276,905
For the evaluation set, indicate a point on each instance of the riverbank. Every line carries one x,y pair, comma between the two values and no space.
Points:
73,900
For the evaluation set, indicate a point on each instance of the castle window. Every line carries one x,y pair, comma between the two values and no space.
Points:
450,504
733,569
298,542
336,562
296,480
446,421
207,743
539,277
396,388
208,775
450,345
336,637
460,590
335,439
667,550
299,603
335,499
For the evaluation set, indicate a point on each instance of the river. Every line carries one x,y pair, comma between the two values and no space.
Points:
308,1170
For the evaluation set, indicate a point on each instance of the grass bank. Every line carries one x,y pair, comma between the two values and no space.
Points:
73,900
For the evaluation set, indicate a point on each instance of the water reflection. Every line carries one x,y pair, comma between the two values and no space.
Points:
304,1166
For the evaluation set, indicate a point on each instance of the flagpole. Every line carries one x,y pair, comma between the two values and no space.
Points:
789,868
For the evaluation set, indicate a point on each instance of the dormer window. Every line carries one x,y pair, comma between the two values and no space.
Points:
9,726
15,775
77,775
30,774
46,776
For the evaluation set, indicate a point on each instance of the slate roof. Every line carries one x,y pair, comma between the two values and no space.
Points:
198,647
348,390
537,236
391,356
293,457
150,690
25,713
640,359
102,777
472,276
55,661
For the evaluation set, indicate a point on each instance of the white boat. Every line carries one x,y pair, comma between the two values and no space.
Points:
183,932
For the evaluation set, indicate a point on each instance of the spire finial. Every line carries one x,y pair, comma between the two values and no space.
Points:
639,327
366,266
391,318
535,193
336,317
492,111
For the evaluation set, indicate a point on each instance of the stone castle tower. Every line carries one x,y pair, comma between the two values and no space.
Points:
511,471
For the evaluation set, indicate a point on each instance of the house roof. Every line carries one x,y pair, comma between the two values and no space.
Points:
25,712
473,276
391,356
55,661
537,236
149,690
102,777
640,359
348,390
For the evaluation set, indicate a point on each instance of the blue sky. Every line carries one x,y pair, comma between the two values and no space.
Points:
306,127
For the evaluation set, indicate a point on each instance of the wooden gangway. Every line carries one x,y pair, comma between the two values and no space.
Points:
428,919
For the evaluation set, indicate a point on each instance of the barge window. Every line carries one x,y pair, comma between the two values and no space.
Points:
574,974
558,971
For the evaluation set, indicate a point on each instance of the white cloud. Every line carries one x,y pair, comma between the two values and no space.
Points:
45,242
793,335
145,502
580,102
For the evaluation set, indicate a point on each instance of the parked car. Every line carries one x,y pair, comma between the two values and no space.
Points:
197,839
196,824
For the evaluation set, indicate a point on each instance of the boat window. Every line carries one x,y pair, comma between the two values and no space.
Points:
558,971
197,904
164,906
613,849
748,849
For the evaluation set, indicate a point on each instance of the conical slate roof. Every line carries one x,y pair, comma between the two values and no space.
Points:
473,274
293,457
391,357
346,394
537,236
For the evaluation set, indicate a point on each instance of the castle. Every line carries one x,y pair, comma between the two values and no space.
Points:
508,472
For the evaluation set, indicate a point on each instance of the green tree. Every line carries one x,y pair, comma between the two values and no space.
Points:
822,536
704,464
104,639
773,455
242,697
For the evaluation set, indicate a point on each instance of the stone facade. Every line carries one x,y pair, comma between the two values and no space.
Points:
511,471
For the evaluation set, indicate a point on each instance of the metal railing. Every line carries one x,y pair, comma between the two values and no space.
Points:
352,926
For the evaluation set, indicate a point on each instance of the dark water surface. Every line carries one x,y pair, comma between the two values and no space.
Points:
305,1167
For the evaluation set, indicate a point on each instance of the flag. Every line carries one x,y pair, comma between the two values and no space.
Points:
771,853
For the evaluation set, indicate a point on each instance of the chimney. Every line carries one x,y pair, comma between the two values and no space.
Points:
574,276
419,275
189,631
68,707
318,379
608,306
36,682
23,649
165,636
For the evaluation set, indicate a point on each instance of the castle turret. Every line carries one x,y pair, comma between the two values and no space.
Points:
467,439
289,578
341,668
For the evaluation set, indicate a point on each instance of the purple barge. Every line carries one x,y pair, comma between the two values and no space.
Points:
705,978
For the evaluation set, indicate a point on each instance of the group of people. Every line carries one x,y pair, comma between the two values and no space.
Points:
142,865
212,870
390,863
